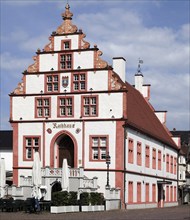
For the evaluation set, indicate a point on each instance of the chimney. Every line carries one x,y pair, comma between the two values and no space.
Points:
161,115
139,82
119,64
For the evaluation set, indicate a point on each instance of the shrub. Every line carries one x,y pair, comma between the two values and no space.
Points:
64,198
60,198
96,198
72,199
84,198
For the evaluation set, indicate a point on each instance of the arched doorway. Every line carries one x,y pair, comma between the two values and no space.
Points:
56,187
63,145
66,150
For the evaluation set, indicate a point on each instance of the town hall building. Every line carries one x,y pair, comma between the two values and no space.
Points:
72,104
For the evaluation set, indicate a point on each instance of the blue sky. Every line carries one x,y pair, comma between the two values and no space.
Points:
157,31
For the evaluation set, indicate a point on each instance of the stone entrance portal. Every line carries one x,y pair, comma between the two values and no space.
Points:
66,150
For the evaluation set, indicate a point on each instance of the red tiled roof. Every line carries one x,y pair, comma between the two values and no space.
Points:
140,115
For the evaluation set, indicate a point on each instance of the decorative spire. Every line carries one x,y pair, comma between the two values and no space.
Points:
67,14
67,27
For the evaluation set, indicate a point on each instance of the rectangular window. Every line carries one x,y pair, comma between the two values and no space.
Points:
147,155
138,192
147,192
153,192
171,193
175,165
130,192
130,151
31,144
90,105
79,82
139,154
171,164
167,162
153,158
65,106
167,194
65,61
98,148
43,107
65,44
52,83
159,160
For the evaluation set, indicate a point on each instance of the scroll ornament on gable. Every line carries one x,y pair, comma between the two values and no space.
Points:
20,88
84,44
34,67
99,63
116,83
49,46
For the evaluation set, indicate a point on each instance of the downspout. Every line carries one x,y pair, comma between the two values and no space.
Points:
124,165
178,176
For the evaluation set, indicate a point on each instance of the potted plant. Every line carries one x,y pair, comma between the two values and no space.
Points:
93,201
64,201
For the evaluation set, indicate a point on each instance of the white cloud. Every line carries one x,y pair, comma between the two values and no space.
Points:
121,31
33,43
127,36
165,52
13,64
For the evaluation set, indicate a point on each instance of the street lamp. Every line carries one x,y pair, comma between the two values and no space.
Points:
108,161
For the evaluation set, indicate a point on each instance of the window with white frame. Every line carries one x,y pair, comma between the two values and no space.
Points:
65,61
65,106
90,105
98,148
79,82
52,83
31,144
42,107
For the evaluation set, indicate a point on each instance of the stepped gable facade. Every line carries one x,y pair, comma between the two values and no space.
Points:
72,104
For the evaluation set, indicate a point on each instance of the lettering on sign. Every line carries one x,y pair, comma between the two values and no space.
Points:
63,125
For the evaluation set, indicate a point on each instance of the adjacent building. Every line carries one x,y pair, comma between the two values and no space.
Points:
6,152
183,166
72,104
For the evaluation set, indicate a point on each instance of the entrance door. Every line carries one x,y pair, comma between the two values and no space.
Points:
66,150
159,195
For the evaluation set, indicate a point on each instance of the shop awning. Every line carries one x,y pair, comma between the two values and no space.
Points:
164,182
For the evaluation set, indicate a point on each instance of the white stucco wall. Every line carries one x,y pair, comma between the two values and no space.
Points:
73,38
48,61
27,129
144,140
94,80
23,107
83,59
34,84
101,128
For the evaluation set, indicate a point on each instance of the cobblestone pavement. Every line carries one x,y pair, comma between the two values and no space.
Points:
172,213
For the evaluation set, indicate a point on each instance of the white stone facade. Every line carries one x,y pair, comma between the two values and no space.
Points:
71,104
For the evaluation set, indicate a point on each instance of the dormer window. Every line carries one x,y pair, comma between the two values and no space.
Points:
65,45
